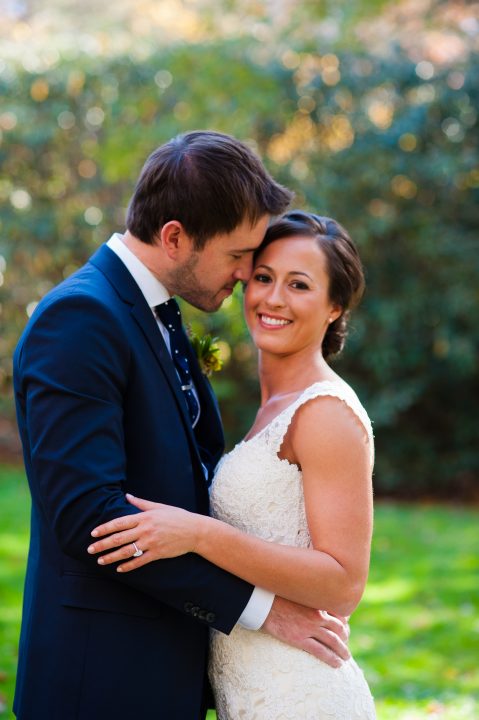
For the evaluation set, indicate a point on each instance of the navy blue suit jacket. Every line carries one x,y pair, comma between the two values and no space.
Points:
100,413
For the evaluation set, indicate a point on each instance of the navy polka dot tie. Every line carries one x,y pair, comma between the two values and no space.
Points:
170,315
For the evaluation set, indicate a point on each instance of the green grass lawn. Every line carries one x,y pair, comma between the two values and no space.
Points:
416,633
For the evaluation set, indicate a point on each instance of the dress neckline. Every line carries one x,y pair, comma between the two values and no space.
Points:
288,407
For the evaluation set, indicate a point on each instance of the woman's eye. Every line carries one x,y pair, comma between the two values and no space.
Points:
298,285
262,278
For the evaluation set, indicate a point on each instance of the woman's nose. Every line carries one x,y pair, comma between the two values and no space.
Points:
275,296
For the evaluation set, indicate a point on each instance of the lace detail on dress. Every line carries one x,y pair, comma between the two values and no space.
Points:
275,432
254,675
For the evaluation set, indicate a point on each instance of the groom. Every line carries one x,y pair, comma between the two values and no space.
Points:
103,409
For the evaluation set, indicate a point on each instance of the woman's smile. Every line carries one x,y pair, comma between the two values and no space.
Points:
273,322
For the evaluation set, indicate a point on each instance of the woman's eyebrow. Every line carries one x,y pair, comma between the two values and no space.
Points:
291,272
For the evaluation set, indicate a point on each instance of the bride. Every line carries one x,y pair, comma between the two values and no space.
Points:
291,504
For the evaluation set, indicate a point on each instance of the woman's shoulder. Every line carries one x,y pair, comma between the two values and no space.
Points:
333,386
338,408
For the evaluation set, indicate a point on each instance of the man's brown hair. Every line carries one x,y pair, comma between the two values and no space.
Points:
209,182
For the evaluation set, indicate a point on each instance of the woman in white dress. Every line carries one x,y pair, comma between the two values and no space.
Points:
292,503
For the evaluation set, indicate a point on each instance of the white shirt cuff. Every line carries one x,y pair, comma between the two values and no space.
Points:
257,609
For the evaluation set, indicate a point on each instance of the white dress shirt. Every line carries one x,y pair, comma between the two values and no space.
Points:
155,293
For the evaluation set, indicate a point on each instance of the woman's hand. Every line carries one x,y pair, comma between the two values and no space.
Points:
160,531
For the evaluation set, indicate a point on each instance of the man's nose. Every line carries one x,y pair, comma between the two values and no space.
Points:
244,270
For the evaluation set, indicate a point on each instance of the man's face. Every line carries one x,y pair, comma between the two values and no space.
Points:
208,276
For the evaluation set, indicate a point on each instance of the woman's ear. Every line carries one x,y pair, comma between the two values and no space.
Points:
335,312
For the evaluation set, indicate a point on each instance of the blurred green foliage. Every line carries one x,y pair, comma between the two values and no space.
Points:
386,145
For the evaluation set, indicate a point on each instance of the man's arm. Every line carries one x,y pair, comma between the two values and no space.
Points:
71,377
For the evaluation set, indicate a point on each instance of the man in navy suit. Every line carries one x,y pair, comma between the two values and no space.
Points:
102,411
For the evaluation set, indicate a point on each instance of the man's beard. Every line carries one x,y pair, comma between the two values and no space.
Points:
184,282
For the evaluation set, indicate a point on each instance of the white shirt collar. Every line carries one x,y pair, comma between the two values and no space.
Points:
153,290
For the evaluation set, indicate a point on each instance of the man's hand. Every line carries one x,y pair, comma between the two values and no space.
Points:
317,632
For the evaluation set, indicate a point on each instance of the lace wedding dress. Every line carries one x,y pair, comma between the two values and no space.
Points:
255,676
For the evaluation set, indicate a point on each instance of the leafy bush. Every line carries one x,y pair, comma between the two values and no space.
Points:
386,146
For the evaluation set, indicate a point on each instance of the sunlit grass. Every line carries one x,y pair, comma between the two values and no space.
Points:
416,633
14,522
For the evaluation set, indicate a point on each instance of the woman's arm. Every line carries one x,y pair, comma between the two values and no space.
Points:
330,445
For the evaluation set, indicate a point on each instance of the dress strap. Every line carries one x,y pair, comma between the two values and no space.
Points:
275,432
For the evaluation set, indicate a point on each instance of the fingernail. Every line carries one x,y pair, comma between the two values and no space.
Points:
119,569
94,533
91,549
101,561
129,495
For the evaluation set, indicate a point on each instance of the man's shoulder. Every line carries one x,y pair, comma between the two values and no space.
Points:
85,298
86,285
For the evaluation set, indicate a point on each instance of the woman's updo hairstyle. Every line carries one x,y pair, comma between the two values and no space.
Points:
346,278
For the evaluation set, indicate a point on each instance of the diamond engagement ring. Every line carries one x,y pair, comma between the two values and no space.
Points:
138,552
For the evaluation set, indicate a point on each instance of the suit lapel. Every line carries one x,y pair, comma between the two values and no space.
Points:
120,277
209,429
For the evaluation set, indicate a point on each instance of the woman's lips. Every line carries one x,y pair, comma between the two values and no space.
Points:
273,321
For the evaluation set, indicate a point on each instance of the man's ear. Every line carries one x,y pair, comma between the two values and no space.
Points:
174,239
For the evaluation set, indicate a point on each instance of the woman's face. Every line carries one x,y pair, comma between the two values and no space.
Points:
286,303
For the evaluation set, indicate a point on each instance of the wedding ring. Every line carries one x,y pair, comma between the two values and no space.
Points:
138,552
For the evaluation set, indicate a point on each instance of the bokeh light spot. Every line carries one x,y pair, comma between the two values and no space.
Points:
425,70
76,81
182,111
381,113
163,79
306,104
407,142
87,168
290,59
455,80
8,120
66,120
20,199
403,187
95,116
39,90
379,209
93,215
453,129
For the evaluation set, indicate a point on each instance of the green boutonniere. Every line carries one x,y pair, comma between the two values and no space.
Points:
208,353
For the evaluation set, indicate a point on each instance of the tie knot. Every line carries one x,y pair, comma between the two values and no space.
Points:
169,314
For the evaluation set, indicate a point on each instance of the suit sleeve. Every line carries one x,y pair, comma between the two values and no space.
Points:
71,375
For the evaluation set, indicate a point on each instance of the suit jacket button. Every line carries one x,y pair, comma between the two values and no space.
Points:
210,617
188,606
195,610
202,615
